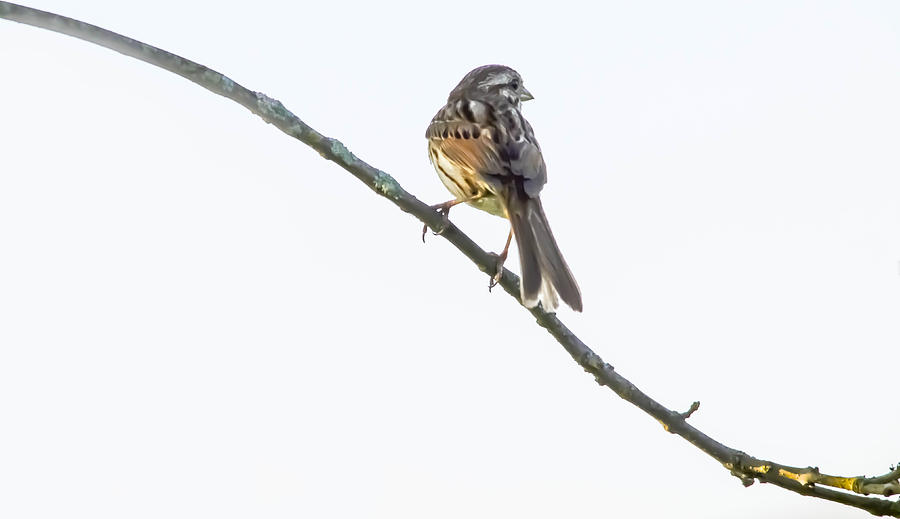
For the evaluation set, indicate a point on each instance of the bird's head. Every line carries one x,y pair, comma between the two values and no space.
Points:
493,80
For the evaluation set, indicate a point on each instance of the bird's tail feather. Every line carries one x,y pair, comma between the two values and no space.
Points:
544,271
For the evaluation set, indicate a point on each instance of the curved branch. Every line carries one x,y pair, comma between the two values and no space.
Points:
747,468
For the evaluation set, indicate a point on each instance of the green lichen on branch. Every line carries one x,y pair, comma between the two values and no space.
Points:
387,185
271,110
212,77
340,153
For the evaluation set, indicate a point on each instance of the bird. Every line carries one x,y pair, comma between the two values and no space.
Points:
486,155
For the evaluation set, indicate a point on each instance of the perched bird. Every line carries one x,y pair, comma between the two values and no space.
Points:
486,155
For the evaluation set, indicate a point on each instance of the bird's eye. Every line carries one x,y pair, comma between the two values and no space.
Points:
514,84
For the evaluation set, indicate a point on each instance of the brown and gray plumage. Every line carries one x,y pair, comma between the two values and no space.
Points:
486,155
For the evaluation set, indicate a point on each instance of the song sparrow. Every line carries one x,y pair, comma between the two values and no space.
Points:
486,155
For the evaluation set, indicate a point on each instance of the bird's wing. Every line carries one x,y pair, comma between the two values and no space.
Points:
498,144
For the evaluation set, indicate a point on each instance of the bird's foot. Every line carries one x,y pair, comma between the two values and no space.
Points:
501,259
444,209
498,270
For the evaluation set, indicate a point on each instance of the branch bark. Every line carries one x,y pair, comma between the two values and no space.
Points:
809,481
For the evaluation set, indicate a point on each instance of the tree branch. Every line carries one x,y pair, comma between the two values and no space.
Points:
807,481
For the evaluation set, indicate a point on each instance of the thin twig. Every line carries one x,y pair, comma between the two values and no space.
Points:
687,414
747,468
891,477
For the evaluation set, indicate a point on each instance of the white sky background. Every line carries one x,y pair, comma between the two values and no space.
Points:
200,317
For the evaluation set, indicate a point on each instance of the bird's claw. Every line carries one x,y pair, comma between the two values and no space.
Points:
498,273
495,280
444,209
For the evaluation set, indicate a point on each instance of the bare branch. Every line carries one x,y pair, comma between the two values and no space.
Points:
807,481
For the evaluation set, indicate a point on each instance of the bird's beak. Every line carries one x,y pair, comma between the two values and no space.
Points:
525,95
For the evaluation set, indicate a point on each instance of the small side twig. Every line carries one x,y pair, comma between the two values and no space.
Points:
694,406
